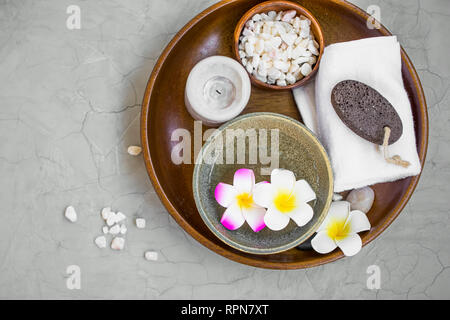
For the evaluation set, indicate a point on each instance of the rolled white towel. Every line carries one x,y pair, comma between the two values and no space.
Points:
357,162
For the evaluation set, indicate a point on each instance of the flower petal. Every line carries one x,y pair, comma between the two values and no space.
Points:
350,245
224,194
358,221
263,194
255,217
303,191
302,214
276,220
244,180
232,218
322,243
339,210
282,179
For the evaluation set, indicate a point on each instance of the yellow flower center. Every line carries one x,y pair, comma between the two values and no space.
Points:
244,200
338,230
284,201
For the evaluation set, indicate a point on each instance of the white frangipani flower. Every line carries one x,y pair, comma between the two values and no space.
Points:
340,229
285,199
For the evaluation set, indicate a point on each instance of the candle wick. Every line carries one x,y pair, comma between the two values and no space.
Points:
218,92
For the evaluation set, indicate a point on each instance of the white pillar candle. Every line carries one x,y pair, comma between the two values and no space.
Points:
217,90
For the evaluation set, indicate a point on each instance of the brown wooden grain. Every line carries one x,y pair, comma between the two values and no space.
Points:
163,110
278,6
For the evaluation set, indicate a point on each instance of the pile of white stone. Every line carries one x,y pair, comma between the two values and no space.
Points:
115,222
115,226
278,47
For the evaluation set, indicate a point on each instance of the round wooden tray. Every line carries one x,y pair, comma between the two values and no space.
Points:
163,110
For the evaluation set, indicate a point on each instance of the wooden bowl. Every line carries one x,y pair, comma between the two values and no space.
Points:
277,6
163,111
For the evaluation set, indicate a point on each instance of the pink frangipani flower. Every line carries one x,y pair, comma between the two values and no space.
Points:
238,199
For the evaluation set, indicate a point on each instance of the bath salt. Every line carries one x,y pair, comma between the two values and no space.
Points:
151,255
118,243
140,223
106,212
278,47
100,241
71,214
111,219
120,217
134,150
114,229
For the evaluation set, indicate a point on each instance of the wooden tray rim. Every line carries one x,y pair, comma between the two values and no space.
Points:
333,256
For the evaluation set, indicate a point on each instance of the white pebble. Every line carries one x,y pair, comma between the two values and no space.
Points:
290,78
296,23
305,69
118,243
270,80
312,48
111,219
247,32
302,42
279,16
100,241
120,217
272,14
264,17
274,73
361,199
281,83
123,229
283,66
298,52
289,38
249,49
256,17
262,71
260,77
301,60
288,15
294,67
259,47
255,61
337,197
114,230
304,28
106,212
298,75
249,67
134,150
151,255
71,214
250,24
105,229
140,223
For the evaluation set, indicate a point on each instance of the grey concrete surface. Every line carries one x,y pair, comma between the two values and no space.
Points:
69,107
